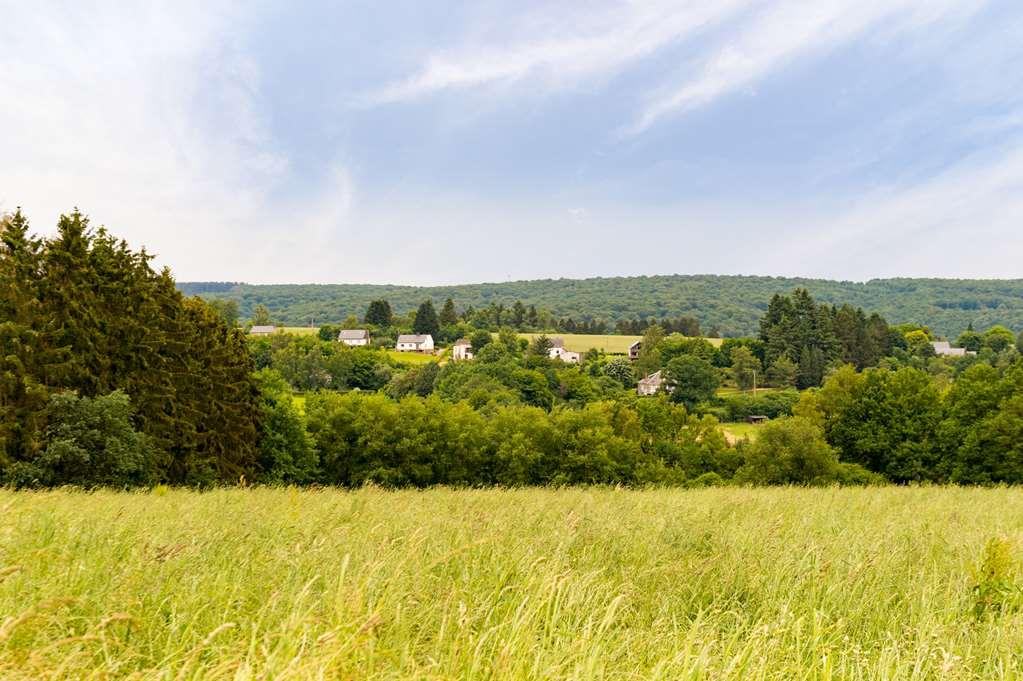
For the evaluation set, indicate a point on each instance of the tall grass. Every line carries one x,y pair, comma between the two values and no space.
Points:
538,584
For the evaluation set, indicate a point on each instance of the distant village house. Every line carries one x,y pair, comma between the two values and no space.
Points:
354,337
634,350
262,330
558,351
945,349
462,349
409,342
650,385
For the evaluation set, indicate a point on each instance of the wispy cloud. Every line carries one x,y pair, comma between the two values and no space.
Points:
151,119
583,43
787,31
761,37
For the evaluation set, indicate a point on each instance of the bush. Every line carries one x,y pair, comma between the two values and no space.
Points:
772,404
286,451
90,442
790,451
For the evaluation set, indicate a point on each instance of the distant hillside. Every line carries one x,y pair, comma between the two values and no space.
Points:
733,304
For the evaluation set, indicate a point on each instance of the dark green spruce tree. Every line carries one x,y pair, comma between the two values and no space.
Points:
426,320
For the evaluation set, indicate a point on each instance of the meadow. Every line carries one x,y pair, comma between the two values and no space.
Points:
725,583
613,344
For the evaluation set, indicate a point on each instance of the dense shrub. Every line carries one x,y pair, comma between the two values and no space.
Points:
790,451
772,404
417,442
90,442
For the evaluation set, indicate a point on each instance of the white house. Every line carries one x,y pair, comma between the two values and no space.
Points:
262,330
354,337
462,349
634,349
945,349
409,342
650,385
558,351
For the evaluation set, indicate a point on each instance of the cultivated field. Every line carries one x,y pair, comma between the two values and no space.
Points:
301,330
581,342
538,584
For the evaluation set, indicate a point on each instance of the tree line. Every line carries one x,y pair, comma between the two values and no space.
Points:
93,343
731,305
109,376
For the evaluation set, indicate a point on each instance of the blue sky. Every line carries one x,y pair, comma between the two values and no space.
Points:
425,143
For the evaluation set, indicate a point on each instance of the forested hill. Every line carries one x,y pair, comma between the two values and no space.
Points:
733,304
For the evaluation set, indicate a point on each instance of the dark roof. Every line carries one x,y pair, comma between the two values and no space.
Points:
353,334
414,338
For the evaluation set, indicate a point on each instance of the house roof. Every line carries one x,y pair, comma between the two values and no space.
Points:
353,334
557,342
464,341
414,338
652,378
262,329
635,344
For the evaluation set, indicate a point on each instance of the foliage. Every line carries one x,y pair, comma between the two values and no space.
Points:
769,403
691,380
379,314
745,368
813,336
649,359
790,451
734,304
783,373
90,442
92,317
994,587
620,369
261,316
286,453
419,442
426,321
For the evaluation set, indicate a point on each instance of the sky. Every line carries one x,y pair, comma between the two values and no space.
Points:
423,143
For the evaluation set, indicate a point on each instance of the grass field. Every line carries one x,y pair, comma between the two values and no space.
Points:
531,584
737,431
578,342
301,330
411,357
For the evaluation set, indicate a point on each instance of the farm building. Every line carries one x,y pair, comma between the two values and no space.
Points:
558,351
409,342
462,349
634,350
354,337
945,349
650,385
262,330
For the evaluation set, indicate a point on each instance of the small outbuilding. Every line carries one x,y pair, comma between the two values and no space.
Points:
354,337
650,385
462,349
634,350
263,330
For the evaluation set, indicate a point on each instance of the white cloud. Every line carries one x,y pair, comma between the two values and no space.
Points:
761,36
584,42
785,32
963,222
149,118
